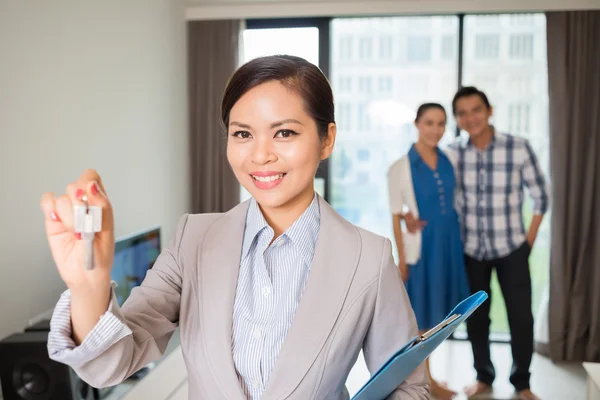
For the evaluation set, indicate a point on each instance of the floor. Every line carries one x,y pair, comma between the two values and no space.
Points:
452,363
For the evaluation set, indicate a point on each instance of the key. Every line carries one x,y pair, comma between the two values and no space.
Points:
87,222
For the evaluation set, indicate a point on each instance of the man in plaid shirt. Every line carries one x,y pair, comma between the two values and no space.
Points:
491,170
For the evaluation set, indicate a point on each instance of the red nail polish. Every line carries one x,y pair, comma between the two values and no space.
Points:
94,189
78,236
79,193
54,216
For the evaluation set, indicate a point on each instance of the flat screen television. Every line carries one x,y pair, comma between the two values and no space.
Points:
135,254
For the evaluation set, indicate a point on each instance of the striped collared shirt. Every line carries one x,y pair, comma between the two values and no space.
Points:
270,285
489,197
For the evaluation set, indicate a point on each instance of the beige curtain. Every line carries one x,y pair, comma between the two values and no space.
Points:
574,89
213,48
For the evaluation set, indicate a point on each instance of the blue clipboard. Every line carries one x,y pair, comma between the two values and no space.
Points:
410,356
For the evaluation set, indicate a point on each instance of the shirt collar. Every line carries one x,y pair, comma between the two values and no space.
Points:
490,145
255,223
414,157
302,233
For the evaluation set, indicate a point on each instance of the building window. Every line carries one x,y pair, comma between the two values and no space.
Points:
363,155
345,84
385,84
487,47
362,178
364,84
448,47
344,116
346,48
519,115
419,48
363,120
365,49
521,47
386,48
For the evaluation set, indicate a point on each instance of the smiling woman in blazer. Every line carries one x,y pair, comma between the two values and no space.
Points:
275,298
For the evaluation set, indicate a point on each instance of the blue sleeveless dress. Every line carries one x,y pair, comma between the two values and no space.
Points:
438,281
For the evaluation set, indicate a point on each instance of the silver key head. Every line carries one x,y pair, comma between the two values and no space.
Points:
87,219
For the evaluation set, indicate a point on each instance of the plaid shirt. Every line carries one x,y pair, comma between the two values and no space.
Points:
489,197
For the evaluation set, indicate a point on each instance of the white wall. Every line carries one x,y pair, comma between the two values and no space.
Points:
99,84
223,9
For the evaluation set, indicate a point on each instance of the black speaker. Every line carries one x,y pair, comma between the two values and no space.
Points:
27,373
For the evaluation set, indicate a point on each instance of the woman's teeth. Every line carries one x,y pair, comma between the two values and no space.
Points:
268,178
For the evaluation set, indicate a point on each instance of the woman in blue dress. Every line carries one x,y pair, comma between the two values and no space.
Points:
421,186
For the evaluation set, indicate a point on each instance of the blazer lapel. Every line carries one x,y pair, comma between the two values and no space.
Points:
336,257
219,261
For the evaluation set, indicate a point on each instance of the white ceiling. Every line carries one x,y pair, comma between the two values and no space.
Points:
229,2
227,9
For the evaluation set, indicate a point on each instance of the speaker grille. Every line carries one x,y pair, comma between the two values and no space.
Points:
32,379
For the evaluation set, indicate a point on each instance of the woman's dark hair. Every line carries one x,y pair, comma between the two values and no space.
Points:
294,73
467,91
426,107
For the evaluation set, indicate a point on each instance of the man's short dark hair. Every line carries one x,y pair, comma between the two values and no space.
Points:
467,91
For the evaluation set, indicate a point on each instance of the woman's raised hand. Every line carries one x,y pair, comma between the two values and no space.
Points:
68,250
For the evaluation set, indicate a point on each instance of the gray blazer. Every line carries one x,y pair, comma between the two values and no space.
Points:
354,299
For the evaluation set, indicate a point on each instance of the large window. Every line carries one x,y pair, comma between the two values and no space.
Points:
382,69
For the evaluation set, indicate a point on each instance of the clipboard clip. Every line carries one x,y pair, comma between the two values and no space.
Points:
437,328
